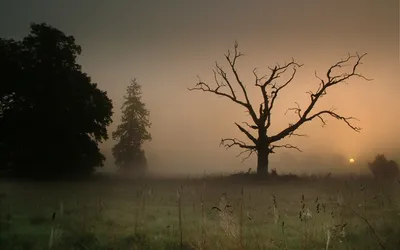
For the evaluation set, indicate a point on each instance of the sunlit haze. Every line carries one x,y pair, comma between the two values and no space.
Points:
166,45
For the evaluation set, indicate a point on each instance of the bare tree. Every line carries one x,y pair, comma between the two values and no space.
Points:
262,143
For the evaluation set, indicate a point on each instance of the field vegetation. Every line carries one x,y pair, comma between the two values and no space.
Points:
237,212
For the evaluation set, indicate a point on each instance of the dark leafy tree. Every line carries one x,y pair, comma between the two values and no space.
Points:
263,143
132,132
383,169
52,116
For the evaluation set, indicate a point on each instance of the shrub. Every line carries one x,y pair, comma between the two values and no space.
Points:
384,169
274,173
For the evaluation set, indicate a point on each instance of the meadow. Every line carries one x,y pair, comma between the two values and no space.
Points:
204,213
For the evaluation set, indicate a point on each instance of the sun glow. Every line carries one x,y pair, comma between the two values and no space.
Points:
351,160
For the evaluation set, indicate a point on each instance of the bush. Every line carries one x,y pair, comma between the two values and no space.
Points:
274,173
383,169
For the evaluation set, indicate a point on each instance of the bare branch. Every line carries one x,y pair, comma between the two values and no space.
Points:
202,86
229,142
321,91
223,74
276,72
219,71
257,78
322,81
295,134
249,151
247,133
337,116
332,80
232,63
272,147
275,93
297,110
251,126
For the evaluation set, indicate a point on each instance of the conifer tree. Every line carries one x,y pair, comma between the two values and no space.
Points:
132,132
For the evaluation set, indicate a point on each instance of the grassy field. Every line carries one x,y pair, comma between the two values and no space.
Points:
210,213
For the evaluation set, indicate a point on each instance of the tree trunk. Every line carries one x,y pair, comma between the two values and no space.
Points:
262,160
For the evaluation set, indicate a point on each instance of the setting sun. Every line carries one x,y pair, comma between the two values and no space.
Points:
351,160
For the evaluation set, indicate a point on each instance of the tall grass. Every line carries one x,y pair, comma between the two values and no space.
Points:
201,214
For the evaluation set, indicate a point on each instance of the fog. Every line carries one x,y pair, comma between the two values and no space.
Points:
165,45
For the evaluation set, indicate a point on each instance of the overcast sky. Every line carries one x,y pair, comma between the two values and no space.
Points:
167,44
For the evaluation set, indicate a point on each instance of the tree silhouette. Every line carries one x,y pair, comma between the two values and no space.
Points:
263,143
132,132
52,116
383,169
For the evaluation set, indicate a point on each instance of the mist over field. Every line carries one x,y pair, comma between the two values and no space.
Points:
199,124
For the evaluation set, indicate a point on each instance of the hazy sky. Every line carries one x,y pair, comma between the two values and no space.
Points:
166,44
